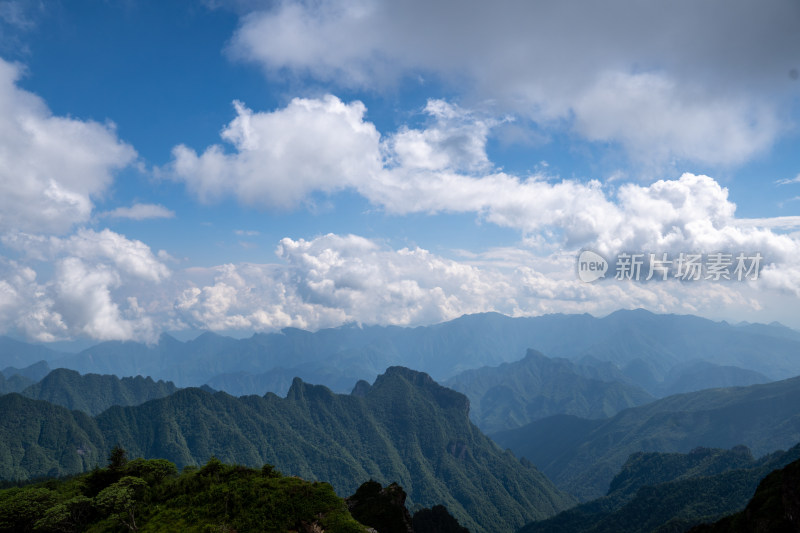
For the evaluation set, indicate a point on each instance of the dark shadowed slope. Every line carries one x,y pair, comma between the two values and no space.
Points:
763,417
775,507
670,492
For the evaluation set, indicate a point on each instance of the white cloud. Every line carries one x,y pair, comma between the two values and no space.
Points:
788,181
283,156
83,300
140,212
131,257
334,279
438,169
90,291
455,141
786,222
52,166
656,120
444,168
649,75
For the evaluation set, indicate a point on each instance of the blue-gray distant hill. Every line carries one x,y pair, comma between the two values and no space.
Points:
656,352
582,456
18,379
514,394
18,355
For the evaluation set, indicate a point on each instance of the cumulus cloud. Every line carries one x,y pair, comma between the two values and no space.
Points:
334,279
443,168
140,212
52,166
282,156
94,288
649,75
132,257
455,141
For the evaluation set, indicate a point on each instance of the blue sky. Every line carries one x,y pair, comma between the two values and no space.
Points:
245,166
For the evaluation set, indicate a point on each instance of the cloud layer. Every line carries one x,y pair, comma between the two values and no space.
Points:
97,283
443,168
335,279
699,82
311,145
52,167
660,100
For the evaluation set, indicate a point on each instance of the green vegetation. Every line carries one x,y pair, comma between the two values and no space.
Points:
93,393
590,452
670,492
42,439
775,507
405,429
514,394
150,496
15,383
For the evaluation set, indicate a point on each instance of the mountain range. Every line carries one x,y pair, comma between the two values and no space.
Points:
403,428
514,394
612,409
94,393
775,506
670,492
662,354
582,455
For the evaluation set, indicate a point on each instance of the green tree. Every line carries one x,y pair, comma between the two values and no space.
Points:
121,500
118,458
67,517
151,470
20,508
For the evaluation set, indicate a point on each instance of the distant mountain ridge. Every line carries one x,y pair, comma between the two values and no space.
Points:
645,347
94,393
18,354
405,428
590,452
514,394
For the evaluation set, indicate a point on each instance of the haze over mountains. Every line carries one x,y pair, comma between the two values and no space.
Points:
662,354
582,456
577,399
514,394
